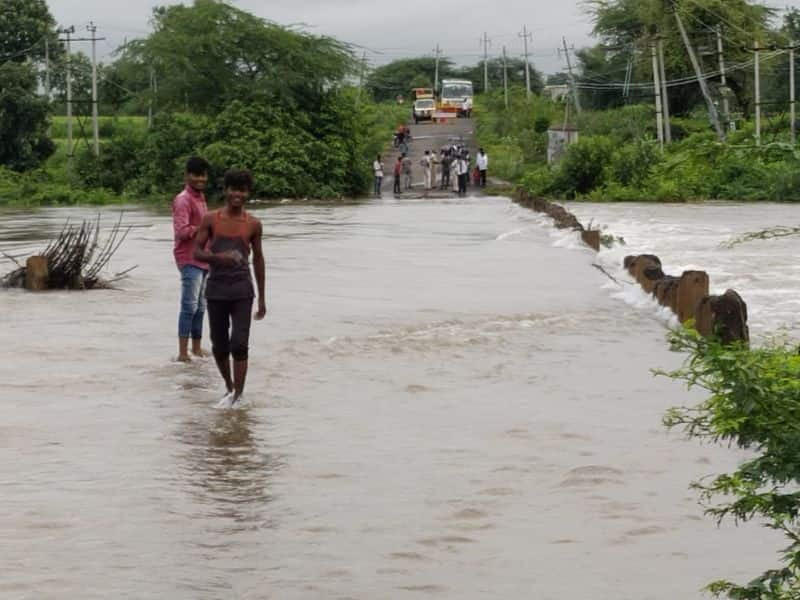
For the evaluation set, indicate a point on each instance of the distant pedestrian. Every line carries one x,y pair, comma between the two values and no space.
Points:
427,165
406,172
398,169
483,165
462,171
445,161
377,169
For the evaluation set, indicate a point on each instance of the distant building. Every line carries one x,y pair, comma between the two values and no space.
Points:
556,93
558,138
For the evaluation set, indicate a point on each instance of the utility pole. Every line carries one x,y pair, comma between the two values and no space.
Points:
436,72
505,77
92,28
571,77
664,96
152,94
712,109
626,87
657,94
69,31
757,79
726,109
525,35
47,69
485,41
792,99
361,78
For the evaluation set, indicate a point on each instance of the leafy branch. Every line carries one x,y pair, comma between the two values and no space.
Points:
754,404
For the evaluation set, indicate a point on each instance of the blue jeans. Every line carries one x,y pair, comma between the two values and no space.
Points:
378,181
193,302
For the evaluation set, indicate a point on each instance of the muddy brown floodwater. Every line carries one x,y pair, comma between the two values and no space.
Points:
446,401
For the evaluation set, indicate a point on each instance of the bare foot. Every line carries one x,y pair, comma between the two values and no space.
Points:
184,358
200,353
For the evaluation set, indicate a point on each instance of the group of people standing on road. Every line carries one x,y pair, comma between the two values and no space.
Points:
453,165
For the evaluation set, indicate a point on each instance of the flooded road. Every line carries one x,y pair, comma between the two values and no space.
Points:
447,401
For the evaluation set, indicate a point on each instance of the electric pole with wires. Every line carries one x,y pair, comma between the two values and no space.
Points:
68,31
485,41
713,115
571,77
436,71
525,35
657,94
92,28
505,78
664,95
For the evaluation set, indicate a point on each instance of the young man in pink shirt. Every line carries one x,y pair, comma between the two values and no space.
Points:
188,209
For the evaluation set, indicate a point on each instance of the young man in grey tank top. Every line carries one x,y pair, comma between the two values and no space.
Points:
224,240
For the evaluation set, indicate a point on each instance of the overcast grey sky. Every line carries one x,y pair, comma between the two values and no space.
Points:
386,29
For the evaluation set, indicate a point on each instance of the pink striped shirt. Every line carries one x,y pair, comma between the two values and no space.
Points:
188,210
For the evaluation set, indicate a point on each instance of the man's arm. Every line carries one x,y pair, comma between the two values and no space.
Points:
259,268
181,219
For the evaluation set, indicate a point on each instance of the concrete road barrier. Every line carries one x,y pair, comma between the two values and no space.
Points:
688,297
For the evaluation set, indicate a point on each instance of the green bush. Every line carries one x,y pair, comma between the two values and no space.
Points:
538,181
117,167
583,166
753,403
625,124
38,188
631,164
172,139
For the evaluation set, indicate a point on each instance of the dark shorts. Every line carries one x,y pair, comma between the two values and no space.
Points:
229,322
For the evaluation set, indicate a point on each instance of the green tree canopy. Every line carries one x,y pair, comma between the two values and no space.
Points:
23,118
210,53
626,29
24,26
400,76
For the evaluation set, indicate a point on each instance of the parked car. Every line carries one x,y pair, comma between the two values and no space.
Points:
424,109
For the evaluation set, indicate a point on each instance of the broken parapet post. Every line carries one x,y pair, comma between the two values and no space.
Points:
591,238
36,273
646,269
561,216
692,287
688,297
727,314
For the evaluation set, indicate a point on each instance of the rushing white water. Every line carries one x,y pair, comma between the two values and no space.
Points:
446,400
765,272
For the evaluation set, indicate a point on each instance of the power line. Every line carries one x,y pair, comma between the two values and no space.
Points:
680,81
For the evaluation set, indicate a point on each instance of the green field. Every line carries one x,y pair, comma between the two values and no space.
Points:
107,126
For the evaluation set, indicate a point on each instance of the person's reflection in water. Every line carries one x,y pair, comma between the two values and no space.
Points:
227,470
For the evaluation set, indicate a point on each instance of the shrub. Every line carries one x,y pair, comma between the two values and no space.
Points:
538,181
631,164
753,403
117,166
583,166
